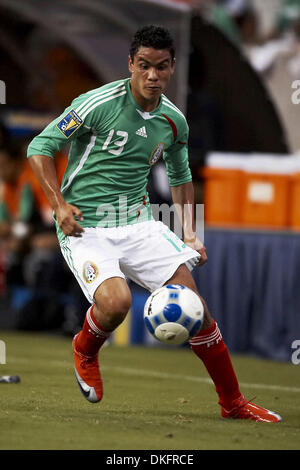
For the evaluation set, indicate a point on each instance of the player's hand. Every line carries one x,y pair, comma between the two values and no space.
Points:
65,215
197,245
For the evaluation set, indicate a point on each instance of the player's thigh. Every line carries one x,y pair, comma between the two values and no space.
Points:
153,253
92,260
183,276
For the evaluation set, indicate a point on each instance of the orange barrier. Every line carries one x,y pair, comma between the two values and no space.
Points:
265,200
222,196
295,203
257,191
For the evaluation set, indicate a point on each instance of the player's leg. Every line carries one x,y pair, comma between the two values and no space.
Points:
158,257
210,347
94,261
112,302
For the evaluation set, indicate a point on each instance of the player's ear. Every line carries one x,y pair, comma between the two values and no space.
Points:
173,65
130,64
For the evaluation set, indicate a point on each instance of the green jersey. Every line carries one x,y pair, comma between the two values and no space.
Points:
114,142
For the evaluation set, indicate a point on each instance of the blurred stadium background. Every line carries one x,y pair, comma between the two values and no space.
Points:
237,66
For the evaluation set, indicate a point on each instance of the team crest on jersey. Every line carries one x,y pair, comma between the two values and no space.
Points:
69,124
157,153
90,271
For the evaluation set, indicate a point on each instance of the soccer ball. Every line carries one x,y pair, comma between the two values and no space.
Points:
173,314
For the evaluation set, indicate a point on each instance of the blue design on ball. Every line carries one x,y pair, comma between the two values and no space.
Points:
172,312
157,319
173,295
149,325
175,286
186,321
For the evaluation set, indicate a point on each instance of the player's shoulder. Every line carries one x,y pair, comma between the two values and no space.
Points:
93,99
111,86
171,110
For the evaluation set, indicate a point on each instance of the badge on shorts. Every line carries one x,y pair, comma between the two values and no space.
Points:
157,153
69,124
90,271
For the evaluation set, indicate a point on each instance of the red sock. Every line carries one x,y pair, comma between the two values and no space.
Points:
209,346
90,339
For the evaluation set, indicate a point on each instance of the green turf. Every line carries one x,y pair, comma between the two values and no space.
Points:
154,398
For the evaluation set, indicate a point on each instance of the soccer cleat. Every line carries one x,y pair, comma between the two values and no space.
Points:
87,375
243,409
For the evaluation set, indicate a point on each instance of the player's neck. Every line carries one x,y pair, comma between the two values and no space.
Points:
146,104
148,108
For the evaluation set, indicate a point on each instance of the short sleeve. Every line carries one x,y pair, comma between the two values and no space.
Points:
177,159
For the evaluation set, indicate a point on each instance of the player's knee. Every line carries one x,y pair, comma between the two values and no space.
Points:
116,307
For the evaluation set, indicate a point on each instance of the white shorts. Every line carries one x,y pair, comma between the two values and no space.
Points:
148,253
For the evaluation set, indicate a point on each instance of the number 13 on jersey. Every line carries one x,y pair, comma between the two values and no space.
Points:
118,143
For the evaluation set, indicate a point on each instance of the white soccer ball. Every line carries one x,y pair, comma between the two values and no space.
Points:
173,314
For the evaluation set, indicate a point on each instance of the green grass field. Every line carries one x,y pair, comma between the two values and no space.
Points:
154,398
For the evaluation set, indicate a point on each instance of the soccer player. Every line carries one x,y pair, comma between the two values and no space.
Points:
104,223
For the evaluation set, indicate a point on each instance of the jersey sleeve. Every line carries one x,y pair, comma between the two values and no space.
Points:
62,131
177,159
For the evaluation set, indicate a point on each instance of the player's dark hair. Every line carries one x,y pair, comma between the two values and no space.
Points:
153,36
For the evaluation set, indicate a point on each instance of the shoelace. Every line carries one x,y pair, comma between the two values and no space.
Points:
240,407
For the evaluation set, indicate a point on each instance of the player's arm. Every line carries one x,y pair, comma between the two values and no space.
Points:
183,199
44,169
182,189
40,153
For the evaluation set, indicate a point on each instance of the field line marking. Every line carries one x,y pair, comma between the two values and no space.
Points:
166,375
163,375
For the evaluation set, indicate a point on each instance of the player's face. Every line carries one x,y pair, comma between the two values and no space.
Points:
151,70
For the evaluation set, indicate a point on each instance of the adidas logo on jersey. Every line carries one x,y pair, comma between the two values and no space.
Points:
142,132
